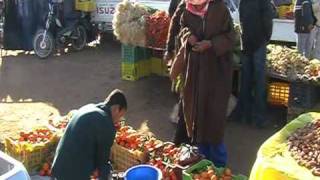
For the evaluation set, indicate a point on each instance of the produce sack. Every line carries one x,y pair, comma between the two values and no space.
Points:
85,5
274,160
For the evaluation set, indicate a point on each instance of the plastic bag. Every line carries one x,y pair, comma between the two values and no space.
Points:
274,160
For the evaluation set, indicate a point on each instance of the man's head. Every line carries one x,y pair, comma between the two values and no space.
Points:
118,104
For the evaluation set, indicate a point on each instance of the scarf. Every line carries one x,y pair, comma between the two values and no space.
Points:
190,6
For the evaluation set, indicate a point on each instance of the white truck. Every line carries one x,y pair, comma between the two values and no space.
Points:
283,29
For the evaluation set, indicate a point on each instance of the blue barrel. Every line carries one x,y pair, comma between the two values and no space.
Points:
143,172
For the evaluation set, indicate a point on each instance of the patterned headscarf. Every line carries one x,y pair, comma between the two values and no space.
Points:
190,5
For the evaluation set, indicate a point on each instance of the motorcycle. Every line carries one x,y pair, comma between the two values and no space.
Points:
55,34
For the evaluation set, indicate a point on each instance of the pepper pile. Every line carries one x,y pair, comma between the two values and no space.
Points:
157,29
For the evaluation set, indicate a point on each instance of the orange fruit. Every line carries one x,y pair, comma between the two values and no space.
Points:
227,172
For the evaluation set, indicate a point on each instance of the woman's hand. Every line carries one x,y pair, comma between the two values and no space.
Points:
202,46
192,40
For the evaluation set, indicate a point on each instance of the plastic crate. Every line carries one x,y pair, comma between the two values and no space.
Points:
303,95
123,158
278,93
85,5
283,10
32,156
135,71
158,67
133,54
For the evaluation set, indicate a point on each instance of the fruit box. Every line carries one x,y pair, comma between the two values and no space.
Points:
187,174
31,155
123,158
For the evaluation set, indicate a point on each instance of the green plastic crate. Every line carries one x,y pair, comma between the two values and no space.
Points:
158,67
187,174
135,71
133,54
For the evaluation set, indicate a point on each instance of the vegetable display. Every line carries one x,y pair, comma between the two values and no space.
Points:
157,29
129,23
288,63
305,148
39,135
209,173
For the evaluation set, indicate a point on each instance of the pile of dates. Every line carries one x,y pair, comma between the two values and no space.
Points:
304,146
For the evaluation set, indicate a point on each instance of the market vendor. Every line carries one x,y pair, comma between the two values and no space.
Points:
207,40
86,144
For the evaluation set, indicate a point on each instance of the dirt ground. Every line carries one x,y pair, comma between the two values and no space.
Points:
32,89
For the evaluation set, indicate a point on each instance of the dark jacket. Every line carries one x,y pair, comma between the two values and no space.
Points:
86,144
256,23
303,16
208,76
175,27
173,6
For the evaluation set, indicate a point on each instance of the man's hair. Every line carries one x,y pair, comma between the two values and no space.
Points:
116,97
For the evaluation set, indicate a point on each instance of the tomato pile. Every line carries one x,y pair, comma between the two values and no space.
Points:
157,29
62,124
133,140
40,135
167,172
209,173
168,153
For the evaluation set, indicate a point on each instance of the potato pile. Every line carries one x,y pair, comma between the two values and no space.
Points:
304,145
312,71
285,61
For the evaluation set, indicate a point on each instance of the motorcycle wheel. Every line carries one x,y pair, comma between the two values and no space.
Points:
79,43
43,49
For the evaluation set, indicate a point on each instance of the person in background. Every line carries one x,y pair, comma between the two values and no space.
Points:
85,146
304,23
207,40
256,24
315,33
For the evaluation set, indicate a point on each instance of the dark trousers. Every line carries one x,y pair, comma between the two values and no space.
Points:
181,135
252,99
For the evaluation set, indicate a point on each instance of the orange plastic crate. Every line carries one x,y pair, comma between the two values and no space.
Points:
278,93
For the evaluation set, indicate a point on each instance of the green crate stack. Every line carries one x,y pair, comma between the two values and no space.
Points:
133,54
135,62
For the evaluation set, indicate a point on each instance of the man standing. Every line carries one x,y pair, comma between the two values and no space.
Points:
315,33
85,146
256,23
304,23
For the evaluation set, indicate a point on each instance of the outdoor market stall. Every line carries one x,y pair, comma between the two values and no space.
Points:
35,149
